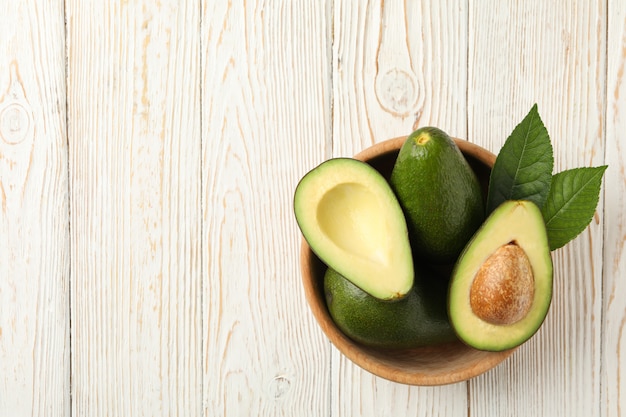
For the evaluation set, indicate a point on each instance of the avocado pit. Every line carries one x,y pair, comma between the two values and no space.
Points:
503,289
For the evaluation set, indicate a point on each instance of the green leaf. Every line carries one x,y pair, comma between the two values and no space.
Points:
523,167
571,203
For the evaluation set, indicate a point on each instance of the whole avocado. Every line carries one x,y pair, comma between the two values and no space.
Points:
439,194
418,319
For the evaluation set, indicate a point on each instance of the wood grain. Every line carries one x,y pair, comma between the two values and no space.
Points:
161,199
134,106
34,232
395,63
614,267
266,121
556,59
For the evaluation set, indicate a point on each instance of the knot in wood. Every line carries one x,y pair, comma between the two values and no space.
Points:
279,386
397,91
14,123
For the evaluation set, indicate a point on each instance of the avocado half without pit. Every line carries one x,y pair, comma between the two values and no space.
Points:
501,286
352,221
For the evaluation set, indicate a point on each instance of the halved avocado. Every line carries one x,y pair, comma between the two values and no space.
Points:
501,286
353,222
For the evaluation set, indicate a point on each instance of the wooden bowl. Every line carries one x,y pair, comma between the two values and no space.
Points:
433,365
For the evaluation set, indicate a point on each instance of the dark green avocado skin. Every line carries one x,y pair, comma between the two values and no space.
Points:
419,319
439,194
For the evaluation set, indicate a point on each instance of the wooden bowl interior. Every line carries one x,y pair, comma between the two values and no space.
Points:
433,365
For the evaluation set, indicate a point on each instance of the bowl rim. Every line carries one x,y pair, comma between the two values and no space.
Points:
362,356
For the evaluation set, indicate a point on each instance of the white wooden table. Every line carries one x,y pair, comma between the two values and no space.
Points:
149,152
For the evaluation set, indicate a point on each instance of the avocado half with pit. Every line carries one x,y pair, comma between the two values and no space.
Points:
501,286
353,222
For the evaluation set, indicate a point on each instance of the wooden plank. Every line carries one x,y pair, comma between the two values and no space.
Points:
614,269
34,230
556,58
266,121
134,106
395,63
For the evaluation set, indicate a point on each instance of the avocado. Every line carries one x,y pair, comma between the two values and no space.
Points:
419,319
353,222
439,193
501,286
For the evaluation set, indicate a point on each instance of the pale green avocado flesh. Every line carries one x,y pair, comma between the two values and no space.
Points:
508,307
353,222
